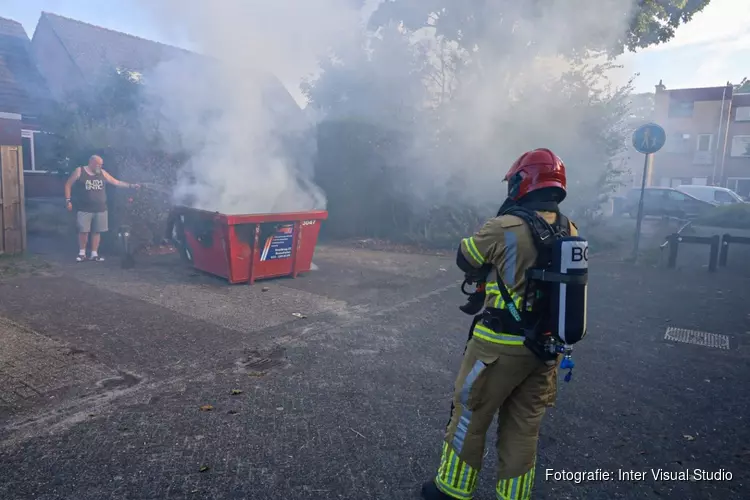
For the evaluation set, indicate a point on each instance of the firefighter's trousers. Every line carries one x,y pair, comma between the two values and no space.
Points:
507,380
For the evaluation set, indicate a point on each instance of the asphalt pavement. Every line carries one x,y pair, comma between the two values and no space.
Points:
161,382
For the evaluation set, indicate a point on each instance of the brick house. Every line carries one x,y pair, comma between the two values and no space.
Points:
23,91
708,138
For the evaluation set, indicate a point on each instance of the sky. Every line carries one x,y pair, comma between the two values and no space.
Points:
709,51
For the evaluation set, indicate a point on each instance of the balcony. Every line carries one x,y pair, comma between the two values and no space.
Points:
703,158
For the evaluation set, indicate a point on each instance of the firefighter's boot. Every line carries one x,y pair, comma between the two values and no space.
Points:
430,491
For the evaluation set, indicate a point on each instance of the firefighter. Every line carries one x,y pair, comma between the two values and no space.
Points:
499,374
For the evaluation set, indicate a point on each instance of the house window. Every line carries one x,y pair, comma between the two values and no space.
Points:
740,145
742,114
680,108
29,158
679,143
705,141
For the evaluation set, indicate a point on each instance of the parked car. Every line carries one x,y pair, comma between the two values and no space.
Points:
665,202
712,194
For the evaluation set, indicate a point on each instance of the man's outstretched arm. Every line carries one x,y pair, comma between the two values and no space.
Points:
111,180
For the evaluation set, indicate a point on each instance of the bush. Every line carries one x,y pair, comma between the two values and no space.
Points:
735,216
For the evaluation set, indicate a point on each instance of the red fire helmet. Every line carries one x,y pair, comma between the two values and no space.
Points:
533,170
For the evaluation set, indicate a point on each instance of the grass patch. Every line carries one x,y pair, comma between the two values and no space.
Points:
13,266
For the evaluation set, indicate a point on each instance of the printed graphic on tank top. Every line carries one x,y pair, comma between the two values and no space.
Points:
92,193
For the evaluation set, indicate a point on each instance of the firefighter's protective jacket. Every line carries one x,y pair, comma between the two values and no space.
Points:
507,244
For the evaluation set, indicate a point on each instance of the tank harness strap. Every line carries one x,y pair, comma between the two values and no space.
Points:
544,275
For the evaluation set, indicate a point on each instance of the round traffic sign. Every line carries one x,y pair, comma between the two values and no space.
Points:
649,138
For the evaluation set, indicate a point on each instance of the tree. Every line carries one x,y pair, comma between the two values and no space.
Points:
381,79
743,86
641,108
106,115
475,23
481,82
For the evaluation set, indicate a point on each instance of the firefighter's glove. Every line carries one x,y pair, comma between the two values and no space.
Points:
478,275
475,300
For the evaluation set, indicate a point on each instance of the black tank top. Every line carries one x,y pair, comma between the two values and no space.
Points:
92,195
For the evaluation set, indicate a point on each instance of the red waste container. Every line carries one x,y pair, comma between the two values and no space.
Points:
244,248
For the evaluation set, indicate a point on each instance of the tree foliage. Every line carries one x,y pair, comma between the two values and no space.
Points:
743,86
474,23
456,107
105,117
641,108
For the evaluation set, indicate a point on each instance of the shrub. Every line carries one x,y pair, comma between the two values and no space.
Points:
735,216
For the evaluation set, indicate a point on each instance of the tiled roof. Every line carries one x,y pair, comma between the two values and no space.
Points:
96,50
22,88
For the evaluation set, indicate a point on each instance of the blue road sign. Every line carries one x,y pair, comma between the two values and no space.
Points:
649,138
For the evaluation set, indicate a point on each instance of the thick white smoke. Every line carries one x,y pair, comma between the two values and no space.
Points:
251,146
504,101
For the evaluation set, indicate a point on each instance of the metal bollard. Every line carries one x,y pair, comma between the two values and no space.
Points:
674,241
724,255
713,258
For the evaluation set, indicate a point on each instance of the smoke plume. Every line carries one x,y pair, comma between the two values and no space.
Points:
251,147
514,81
513,97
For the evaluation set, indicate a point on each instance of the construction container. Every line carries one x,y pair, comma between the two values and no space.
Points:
245,248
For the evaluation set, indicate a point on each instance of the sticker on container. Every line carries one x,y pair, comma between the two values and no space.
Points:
279,244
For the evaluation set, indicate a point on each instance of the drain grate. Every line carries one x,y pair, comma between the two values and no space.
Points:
695,337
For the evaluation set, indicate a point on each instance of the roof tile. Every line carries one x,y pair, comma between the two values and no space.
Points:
22,88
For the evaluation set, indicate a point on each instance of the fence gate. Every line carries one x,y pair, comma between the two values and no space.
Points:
12,208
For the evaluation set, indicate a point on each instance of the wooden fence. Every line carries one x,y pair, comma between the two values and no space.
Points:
12,208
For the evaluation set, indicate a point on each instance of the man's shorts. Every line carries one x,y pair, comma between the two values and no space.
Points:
89,222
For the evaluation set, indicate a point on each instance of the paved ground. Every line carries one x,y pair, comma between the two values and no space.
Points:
103,373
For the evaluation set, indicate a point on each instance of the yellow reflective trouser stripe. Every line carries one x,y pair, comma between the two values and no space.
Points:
471,247
455,477
517,488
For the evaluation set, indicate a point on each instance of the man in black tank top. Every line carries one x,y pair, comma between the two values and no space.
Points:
91,203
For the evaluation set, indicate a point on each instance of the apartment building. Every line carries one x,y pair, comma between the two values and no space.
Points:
708,138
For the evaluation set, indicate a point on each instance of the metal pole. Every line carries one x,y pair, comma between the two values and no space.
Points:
718,137
640,209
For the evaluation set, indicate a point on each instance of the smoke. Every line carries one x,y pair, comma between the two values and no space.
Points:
515,97
251,147
511,90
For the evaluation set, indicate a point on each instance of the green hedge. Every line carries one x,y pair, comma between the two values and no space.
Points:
735,216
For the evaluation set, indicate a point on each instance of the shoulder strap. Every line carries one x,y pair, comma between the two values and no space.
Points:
564,222
541,230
